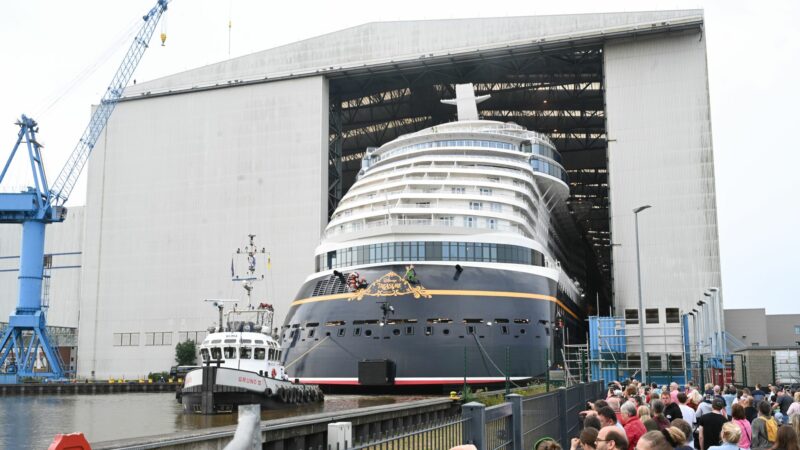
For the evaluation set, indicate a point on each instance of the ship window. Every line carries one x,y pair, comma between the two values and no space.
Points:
409,330
357,331
631,316
469,222
446,331
230,352
471,329
522,331
312,324
473,320
311,333
216,341
504,329
522,321
475,205
491,224
230,341
260,353
259,341
204,354
340,333
334,323
501,320
428,331
271,354
396,332
368,333
651,315
216,353
246,341
485,191
440,320
245,352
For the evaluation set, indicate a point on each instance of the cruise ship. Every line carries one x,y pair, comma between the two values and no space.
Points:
445,263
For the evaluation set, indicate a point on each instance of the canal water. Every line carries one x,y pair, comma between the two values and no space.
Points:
32,421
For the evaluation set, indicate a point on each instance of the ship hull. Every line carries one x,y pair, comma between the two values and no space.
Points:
480,323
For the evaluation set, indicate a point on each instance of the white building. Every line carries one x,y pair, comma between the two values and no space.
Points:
193,162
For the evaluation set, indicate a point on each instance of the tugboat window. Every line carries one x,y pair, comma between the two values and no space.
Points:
216,353
230,352
260,353
204,354
245,352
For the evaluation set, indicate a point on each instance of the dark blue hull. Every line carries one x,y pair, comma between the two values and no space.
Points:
482,322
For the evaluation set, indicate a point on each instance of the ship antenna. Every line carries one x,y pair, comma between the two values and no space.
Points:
466,102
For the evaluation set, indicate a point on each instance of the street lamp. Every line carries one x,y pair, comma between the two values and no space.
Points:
642,358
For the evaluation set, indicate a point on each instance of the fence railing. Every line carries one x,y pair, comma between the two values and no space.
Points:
513,425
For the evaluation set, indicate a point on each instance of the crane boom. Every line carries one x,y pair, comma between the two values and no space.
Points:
34,208
65,182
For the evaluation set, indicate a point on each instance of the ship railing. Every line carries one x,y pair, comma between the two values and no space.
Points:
356,224
448,183
359,226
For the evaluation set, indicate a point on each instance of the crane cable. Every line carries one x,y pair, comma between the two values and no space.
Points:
60,92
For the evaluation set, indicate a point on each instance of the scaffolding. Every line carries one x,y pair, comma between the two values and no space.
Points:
614,351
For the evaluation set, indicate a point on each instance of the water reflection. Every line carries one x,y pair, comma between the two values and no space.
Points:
32,422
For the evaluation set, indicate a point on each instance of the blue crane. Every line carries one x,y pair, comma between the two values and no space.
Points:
40,205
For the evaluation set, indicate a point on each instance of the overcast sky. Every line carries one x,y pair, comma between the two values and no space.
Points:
58,57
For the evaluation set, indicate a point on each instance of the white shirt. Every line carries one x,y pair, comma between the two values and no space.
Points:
688,414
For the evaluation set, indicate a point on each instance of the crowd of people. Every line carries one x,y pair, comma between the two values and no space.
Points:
633,416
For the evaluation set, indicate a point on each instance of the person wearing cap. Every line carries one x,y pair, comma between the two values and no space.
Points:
710,425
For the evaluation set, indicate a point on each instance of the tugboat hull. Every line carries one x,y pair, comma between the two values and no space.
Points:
213,390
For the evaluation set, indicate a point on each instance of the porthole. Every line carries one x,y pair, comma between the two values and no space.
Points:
396,332
367,333
522,331
446,331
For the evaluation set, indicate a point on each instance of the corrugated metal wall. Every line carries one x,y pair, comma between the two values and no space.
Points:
660,154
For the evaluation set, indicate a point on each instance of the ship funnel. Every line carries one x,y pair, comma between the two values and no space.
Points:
466,102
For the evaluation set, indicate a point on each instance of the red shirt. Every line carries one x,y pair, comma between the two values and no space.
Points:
634,429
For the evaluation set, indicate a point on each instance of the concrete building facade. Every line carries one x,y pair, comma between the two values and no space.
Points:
267,143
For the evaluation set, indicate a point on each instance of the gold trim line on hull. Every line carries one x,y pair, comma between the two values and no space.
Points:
434,292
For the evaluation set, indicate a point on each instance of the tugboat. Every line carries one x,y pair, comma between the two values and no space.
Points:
241,359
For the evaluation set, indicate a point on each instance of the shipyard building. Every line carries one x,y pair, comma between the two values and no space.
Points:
268,143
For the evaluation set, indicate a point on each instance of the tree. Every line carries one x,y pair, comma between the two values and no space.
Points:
186,353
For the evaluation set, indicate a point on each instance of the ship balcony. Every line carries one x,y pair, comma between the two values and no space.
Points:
358,230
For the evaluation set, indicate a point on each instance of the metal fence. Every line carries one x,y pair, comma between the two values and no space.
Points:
437,435
513,425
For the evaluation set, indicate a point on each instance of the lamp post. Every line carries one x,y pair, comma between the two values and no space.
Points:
642,356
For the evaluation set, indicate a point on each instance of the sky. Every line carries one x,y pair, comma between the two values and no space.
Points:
59,56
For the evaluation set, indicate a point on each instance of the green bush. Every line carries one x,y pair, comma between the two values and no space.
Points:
186,353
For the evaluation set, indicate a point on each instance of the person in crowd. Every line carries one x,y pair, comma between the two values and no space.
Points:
708,389
750,410
765,428
729,396
673,391
644,413
654,440
676,437
794,422
672,410
592,422
687,413
614,404
651,425
794,408
658,413
704,407
687,430
758,395
710,425
611,438
787,439
547,443
738,417
634,428
730,436
608,418
695,398
586,441
784,402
